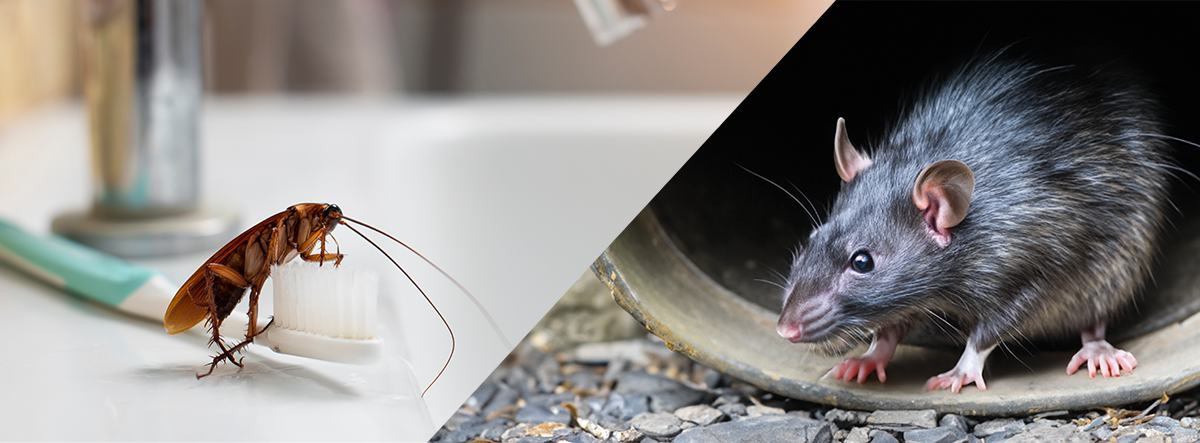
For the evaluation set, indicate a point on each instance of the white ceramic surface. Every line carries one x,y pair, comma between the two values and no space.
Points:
513,196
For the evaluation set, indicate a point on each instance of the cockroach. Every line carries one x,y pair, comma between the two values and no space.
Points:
245,263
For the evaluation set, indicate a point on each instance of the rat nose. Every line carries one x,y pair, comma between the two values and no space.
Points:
792,332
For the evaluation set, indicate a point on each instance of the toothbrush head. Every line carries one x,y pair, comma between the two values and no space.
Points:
325,312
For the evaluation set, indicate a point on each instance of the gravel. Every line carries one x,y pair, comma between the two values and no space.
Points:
639,391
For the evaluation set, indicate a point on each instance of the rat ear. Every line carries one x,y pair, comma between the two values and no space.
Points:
848,160
943,190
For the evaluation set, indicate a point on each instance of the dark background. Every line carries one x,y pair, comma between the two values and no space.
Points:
860,61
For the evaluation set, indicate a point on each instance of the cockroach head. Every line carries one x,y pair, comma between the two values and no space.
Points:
332,216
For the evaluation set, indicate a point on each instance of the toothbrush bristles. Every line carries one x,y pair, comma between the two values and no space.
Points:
334,301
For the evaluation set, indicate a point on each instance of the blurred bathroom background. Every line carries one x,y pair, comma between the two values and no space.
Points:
682,72
394,48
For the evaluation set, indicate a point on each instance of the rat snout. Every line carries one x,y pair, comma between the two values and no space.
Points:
791,331
808,319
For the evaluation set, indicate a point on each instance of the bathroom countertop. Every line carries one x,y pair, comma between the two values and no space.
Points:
513,196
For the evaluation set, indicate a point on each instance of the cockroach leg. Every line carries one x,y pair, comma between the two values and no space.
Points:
235,349
214,270
256,287
336,258
228,273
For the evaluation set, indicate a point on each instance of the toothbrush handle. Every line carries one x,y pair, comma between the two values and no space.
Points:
86,272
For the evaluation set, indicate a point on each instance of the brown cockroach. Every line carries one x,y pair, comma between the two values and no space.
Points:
245,263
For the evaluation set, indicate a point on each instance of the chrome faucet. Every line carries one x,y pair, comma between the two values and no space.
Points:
143,84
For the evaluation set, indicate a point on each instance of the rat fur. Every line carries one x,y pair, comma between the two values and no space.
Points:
1011,201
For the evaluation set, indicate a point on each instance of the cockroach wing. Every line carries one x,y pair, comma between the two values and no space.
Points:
191,304
184,313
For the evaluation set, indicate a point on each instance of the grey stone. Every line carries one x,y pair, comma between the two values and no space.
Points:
581,437
1095,423
840,435
1102,433
548,400
1047,430
845,418
625,407
1169,426
998,429
732,410
954,420
536,414
728,398
461,417
513,433
764,429
881,436
941,434
756,411
585,380
534,439
482,395
546,371
1166,425
657,424
520,380
494,429
903,420
1186,435
1187,422
461,435
593,403
858,435
702,415
504,396
641,382
608,422
1130,438
672,399
1153,436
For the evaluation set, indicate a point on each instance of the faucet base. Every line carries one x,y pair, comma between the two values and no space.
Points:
208,226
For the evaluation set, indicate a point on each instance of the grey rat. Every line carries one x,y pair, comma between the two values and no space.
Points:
1011,201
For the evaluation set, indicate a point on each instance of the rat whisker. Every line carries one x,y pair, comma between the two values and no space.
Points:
811,217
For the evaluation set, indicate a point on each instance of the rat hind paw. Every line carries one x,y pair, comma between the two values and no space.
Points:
1101,354
956,379
859,369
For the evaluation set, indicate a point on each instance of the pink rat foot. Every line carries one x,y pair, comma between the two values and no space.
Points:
956,379
968,370
883,346
1100,353
859,368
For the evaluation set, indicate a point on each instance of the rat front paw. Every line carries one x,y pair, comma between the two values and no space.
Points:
956,379
859,368
1099,353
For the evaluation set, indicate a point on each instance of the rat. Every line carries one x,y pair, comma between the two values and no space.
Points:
1010,201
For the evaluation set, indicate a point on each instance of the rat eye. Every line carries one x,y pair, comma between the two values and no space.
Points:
861,262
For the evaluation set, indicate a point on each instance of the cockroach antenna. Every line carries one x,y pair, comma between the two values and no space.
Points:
478,305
